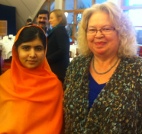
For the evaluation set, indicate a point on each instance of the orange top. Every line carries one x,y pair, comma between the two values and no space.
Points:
30,100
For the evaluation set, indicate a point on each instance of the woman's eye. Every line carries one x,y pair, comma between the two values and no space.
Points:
39,48
26,48
106,29
91,30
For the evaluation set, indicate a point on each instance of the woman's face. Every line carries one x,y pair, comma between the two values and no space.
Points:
53,20
31,54
103,43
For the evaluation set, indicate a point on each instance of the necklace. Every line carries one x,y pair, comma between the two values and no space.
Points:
107,70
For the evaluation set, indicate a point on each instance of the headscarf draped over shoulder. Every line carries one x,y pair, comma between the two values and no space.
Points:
30,99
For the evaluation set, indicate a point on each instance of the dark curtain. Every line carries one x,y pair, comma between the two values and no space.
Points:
9,13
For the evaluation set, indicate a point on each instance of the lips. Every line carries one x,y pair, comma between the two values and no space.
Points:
100,43
31,61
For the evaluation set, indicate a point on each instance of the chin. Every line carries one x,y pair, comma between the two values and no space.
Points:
31,67
100,52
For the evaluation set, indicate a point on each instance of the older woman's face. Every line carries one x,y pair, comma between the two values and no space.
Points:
31,54
105,41
53,20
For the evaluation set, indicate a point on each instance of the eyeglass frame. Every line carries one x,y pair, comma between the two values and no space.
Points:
108,29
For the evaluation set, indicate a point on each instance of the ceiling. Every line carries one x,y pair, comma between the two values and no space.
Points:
29,8
24,9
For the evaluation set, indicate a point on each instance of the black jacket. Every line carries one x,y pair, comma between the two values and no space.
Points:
58,51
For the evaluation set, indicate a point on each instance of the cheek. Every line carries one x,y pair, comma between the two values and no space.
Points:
90,38
41,56
21,55
114,39
22,58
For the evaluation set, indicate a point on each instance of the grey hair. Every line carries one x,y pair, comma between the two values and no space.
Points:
122,24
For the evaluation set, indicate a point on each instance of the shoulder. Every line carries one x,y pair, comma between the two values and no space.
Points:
133,61
79,63
77,70
81,58
6,76
60,29
131,67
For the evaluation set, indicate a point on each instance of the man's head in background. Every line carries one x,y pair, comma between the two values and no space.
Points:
42,18
29,21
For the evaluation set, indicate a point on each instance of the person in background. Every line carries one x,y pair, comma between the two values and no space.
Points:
30,93
58,44
103,85
29,21
42,20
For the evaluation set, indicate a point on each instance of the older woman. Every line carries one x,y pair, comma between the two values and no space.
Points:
103,86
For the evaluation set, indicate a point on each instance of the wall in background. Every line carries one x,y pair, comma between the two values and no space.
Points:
24,9
9,13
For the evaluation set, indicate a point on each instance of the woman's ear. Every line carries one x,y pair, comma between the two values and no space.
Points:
60,19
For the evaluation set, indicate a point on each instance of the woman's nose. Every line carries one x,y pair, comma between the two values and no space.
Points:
32,53
99,34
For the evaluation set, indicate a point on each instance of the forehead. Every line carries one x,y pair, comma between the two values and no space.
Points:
53,15
34,42
42,16
99,18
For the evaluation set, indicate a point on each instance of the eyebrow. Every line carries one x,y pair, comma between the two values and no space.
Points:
101,27
30,45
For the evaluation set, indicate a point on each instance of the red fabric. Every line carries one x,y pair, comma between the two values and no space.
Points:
30,100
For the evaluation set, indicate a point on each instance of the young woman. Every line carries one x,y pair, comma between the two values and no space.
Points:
30,94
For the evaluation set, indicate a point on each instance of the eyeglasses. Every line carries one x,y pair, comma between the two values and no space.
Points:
104,30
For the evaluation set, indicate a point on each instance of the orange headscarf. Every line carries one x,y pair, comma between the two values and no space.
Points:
30,100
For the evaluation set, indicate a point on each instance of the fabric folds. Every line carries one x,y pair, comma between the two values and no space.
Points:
30,99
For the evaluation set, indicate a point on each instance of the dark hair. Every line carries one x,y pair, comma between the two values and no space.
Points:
29,21
43,12
29,34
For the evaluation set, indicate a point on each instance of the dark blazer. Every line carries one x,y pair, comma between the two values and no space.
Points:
58,51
